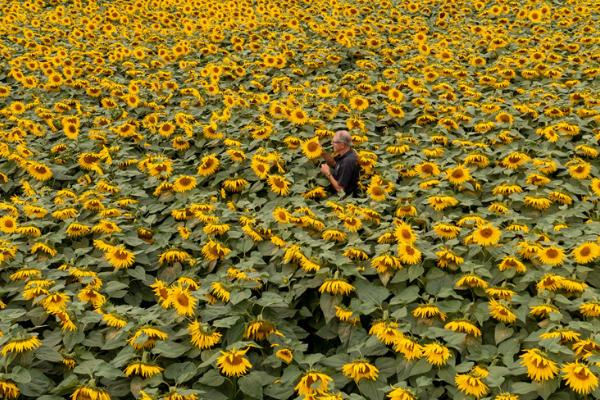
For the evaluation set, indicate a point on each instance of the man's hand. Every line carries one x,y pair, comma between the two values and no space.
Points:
325,170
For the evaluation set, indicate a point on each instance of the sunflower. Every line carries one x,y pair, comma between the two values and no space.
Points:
579,378
220,292
119,257
552,255
376,191
142,369
539,203
213,250
311,148
202,337
463,326
501,312
208,165
233,362
105,227
286,355
359,103
55,302
114,321
39,171
471,281
404,233
279,184
471,384
446,231
448,259
355,254
8,390
543,310
410,349
172,256
458,175
260,168
539,367
550,282
8,224
436,354
312,383
427,169
386,262
298,116
395,111
590,309
184,183
586,252
595,186
334,235
401,393
260,329
89,392
386,331
409,254
359,370
580,170
20,345
234,185
428,311
345,315
486,235
440,203
336,286
182,300
500,293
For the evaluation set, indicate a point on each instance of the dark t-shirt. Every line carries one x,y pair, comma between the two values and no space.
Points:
346,172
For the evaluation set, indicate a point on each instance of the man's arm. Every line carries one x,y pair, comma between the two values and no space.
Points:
328,159
336,185
327,172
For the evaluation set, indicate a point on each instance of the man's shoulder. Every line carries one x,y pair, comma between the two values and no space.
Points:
350,156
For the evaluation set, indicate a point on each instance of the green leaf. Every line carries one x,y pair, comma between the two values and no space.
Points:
107,371
87,367
46,353
211,378
502,332
181,372
406,296
371,293
40,384
419,367
251,386
67,385
170,349
270,299
415,271
237,296
327,303
546,388
371,389
225,322
138,273
116,289
20,375
523,387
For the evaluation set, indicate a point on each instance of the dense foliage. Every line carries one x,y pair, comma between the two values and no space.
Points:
165,232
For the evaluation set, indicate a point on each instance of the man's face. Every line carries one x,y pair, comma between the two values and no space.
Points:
337,144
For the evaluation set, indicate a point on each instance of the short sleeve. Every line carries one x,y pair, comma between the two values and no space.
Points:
345,173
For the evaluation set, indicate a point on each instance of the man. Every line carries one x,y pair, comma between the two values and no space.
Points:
343,170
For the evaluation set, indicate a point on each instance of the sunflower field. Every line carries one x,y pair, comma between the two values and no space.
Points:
165,231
